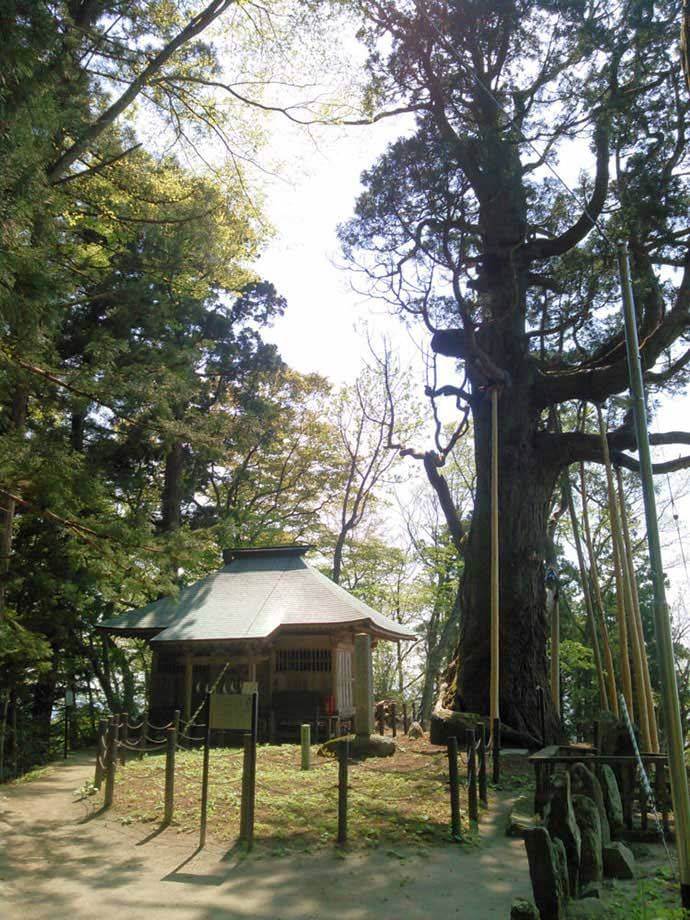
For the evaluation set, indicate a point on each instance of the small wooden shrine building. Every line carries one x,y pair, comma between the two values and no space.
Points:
278,624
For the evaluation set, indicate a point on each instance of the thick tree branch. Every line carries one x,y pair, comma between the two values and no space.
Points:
193,28
545,249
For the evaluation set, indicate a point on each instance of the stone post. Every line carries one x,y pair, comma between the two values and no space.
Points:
364,686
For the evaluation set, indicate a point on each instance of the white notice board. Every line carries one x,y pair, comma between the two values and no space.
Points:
232,711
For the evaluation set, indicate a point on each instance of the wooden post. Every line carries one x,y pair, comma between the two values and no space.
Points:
246,775
176,721
305,740
343,755
496,751
124,736
483,793
394,727
204,773
495,584
406,721
455,828
472,803
382,722
111,763
101,755
170,774
542,714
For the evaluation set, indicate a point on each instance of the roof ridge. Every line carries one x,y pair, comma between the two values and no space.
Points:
271,593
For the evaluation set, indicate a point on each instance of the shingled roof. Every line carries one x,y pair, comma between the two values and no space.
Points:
253,595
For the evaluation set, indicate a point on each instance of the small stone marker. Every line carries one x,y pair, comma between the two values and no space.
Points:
543,870
584,782
561,823
612,799
619,861
523,909
589,823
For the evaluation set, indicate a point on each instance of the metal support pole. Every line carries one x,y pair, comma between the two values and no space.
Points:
662,624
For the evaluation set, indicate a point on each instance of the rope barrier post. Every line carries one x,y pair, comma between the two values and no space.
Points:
170,774
662,625
142,732
100,752
251,802
111,762
481,756
382,722
246,773
472,803
454,783
394,727
124,736
496,751
343,756
305,740
176,721
542,714
204,774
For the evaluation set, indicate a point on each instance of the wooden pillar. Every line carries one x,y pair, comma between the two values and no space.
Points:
364,686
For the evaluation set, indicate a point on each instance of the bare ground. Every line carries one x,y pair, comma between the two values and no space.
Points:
60,860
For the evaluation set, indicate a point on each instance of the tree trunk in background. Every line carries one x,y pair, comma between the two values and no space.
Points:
18,413
171,500
338,557
42,709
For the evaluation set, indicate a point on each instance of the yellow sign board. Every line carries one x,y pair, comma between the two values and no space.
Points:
231,711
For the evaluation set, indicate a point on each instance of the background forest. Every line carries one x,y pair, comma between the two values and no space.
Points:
146,421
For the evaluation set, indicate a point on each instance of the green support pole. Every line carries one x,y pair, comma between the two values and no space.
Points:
662,624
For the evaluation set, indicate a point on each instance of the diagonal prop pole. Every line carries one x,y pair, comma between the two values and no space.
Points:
662,623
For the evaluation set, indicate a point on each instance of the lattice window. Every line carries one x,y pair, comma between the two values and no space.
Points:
303,659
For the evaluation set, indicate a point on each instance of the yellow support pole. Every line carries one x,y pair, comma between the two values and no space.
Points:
495,586
637,617
596,588
589,606
626,677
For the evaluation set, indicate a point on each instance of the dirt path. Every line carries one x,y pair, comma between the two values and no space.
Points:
59,862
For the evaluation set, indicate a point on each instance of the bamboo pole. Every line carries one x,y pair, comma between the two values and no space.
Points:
555,656
662,623
597,598
495,625
601,678
626,677
637,616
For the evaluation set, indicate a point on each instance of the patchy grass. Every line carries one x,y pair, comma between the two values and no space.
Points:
654,898
393,801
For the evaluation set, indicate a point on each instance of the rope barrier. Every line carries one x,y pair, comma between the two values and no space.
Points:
644,779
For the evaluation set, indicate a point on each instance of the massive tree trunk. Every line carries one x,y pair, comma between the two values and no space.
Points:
525,487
